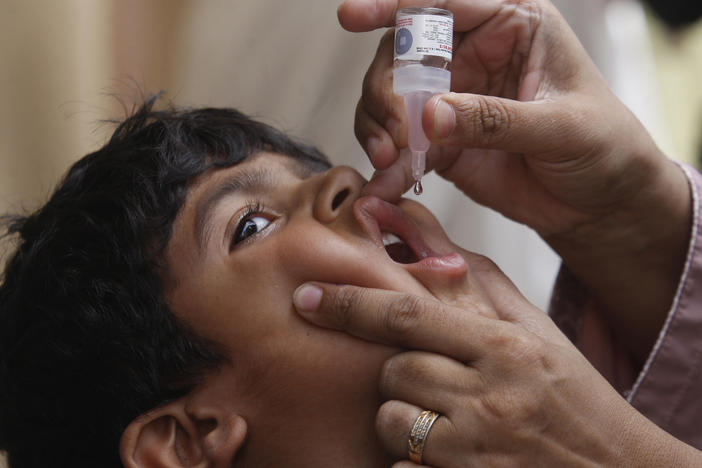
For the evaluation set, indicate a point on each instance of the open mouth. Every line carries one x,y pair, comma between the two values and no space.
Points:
394,231
390,227
397,249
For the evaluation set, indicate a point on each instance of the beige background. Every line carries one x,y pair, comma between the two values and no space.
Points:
289,63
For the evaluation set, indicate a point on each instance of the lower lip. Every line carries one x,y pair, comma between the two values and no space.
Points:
452,264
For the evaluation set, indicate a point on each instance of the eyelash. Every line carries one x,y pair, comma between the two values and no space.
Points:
251,208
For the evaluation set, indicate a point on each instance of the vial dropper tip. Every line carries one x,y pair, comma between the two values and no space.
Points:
418,189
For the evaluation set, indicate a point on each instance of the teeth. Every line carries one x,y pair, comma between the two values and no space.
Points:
390,238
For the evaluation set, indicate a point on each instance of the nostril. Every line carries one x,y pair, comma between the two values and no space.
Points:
339,198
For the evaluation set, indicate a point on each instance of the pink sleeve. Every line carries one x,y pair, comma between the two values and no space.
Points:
668,389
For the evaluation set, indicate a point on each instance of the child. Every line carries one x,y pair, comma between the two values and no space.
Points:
146,317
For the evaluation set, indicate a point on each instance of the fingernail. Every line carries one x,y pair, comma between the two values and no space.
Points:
444,119
373,146
307,297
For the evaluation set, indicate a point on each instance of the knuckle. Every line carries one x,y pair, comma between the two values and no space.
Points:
377,94
488,118
365,124
485,309
495,410
512,411
494,117
388,376
502,338
402,317
369,87
501,410
530,351
345,302
518,346
528,410
391,420
386,41
376,90
404,368
510,408
481,263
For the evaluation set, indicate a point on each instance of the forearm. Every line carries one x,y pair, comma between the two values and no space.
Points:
631,262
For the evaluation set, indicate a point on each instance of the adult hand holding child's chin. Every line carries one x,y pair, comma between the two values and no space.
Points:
510,388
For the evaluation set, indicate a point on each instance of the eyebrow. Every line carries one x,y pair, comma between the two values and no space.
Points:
252,182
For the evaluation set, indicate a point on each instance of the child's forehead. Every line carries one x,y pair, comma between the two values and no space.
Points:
281,164
299,166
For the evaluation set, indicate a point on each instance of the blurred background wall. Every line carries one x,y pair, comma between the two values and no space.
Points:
290,64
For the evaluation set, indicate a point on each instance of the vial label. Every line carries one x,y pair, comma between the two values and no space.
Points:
420,35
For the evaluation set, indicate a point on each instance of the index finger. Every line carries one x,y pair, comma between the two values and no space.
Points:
399,319
367,15
391,183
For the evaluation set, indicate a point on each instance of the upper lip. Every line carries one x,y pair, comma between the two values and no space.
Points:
377,216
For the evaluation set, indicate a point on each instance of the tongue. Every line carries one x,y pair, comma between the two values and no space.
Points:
401,253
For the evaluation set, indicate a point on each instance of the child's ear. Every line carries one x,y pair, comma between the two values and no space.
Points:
183,434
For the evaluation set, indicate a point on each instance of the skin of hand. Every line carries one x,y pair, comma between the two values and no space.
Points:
532,131
511,389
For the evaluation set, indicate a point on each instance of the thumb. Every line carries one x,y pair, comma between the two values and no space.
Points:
477,121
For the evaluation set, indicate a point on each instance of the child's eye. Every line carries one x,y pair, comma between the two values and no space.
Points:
249,226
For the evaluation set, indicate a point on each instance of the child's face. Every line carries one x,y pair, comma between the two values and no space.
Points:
299,387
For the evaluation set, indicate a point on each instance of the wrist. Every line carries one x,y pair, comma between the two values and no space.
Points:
651,225
632,256
642,444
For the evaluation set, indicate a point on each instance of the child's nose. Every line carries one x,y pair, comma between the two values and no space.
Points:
340,187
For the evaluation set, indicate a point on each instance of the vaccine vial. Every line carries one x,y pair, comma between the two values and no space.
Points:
423,52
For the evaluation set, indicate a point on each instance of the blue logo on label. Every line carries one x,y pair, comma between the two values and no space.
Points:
403,41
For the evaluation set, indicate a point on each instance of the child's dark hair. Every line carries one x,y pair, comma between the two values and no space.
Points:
87,341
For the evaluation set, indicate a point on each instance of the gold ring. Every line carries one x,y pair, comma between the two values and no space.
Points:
418,434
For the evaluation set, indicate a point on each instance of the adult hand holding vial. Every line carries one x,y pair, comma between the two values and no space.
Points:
532,130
